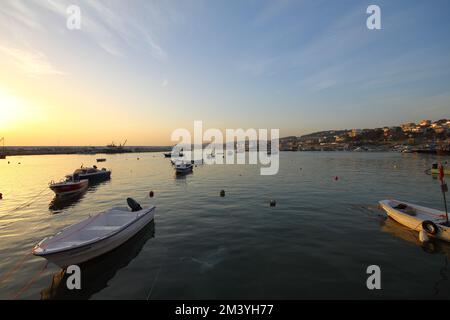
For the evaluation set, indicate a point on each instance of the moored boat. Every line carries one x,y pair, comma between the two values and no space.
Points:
183,167
93,174
435,169
71,185
95,235
418,218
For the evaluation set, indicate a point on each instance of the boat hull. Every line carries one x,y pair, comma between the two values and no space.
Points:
98,176
436,171
184,170
414,222
88,252
62,189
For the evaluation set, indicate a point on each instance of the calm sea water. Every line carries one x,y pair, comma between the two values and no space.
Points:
316,243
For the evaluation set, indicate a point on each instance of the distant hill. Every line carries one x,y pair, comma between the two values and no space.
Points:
315,135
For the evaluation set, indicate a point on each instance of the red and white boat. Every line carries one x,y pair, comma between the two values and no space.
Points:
71,185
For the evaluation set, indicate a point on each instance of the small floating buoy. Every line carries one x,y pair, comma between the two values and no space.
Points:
222,193
138,158
423,236
273,203
9,162
19,163
336,178
151,194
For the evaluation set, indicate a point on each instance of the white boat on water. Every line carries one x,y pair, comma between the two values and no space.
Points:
183,167
95,235
418,218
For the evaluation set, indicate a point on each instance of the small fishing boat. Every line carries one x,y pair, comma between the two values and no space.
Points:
183,167
95,235
101,160
71,185
418,218
93,174
435,169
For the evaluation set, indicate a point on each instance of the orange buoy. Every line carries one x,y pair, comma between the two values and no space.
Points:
151,194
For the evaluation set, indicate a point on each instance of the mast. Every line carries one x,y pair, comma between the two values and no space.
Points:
3,153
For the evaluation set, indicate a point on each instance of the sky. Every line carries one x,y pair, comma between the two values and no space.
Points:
138,70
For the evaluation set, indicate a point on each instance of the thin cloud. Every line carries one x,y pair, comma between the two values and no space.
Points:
30,62
17,13
109,25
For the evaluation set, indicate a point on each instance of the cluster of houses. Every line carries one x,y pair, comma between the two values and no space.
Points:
407,133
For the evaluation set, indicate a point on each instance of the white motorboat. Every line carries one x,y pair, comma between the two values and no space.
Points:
418,218
95,235
183,167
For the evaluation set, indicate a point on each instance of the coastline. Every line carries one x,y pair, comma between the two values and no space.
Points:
52,150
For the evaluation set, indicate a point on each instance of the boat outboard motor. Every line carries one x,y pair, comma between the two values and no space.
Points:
133,205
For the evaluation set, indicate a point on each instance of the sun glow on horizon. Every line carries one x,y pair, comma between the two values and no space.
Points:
12,109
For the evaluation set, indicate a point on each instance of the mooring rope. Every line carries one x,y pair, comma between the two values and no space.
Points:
29,202
22,206
157,276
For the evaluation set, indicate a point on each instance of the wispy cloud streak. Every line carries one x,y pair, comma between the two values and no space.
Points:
30,62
